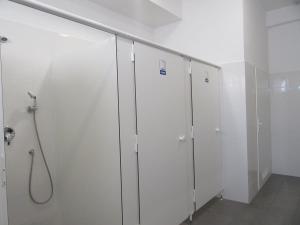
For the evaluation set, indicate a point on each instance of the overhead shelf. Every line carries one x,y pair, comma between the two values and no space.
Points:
149,12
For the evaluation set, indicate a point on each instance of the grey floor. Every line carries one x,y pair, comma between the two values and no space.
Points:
278,203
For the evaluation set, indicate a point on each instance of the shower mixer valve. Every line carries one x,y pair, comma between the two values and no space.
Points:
9,135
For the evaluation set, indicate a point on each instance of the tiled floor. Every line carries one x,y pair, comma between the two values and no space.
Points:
278,203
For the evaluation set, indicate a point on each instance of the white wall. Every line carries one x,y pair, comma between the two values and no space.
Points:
92,10
153,13
284,47
284,15
210,29
284,57
255,34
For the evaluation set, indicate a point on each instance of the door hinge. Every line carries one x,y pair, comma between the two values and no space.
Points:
190,68
257,126
3,178
194,196
136,149
132,54
192,132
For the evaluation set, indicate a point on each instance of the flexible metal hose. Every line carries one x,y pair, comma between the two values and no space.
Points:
31,152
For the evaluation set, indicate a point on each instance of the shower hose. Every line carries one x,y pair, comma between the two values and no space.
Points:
31,152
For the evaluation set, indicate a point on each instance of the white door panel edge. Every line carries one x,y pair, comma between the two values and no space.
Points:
208,156
3,199
128,136
257,128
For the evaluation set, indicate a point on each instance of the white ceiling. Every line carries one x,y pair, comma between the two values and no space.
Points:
277,4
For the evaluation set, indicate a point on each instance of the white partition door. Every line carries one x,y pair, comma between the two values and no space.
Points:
163,138
72,71
264,123
206,123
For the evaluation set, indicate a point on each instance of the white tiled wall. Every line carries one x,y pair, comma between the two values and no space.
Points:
285,123
284,60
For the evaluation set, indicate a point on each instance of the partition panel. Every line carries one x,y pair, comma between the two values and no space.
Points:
251,121
72,71
163,136
206,123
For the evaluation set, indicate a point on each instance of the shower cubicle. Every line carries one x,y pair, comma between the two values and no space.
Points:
103,128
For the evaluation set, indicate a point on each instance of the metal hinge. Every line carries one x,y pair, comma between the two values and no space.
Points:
192,132
194,196
3,178
132,54
190,68
136,149
3,39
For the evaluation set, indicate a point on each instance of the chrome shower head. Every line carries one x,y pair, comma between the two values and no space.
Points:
31,95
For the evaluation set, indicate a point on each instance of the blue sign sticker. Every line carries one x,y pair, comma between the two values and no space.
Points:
162,67
163,72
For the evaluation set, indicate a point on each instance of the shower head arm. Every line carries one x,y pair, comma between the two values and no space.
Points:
31,95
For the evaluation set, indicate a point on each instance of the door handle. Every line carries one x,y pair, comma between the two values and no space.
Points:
181,138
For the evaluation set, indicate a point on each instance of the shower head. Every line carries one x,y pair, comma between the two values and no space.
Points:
31,95
33,107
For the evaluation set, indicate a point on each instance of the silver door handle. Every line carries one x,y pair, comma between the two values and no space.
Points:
181,138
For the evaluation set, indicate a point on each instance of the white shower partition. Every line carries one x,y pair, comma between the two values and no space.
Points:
74,76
